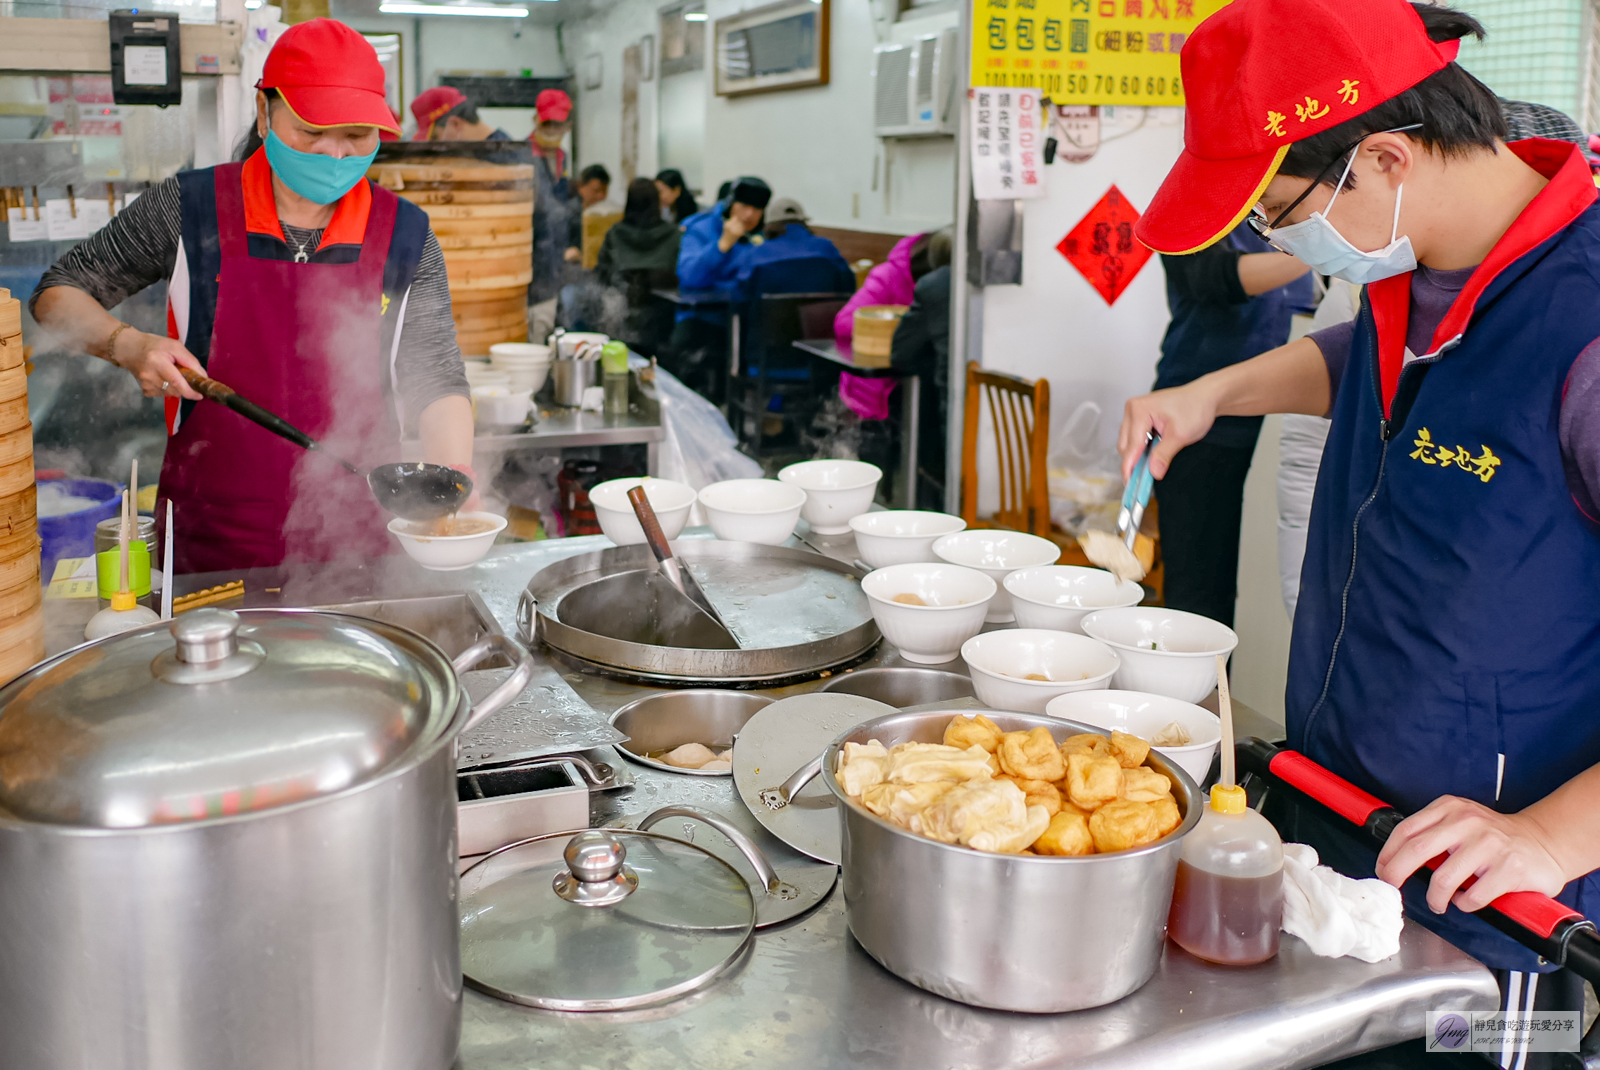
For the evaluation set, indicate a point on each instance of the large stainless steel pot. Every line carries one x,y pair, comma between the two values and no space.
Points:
1015,932
239,852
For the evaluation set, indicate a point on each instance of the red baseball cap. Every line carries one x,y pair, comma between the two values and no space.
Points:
1262,74
553,106
431,105
329,75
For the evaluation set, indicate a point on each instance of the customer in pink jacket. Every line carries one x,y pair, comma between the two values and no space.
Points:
890,283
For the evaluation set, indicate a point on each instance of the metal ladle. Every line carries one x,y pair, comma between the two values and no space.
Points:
408,489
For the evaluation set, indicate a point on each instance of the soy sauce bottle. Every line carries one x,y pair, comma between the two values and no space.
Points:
1227,905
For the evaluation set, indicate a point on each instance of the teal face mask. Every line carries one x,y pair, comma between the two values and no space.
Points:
315,177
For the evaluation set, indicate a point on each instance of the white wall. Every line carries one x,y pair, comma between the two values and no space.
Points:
599,125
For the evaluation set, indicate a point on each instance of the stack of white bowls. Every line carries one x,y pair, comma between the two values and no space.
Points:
997,553
481,373
500,406
526,365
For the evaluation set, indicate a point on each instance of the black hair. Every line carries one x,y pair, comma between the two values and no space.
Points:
466,109
595,173
724,189
685,205
252,139
643,208
1456,113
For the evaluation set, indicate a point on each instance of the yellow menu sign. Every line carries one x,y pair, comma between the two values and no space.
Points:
1086,51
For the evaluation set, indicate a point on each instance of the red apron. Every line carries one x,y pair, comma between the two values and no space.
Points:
301,340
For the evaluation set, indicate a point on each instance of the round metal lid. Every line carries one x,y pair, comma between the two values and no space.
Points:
216,714
601,921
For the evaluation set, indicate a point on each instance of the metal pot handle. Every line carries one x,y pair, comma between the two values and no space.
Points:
526,607
501,696
768,876
779,797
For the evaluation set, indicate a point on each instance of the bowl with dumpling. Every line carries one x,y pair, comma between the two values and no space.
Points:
1180,731
688,731
973,839
1022,669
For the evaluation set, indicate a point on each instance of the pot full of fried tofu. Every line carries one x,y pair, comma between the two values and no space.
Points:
1005,860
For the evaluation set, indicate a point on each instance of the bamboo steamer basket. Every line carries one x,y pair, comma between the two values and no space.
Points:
478,342
14,383
872,333
26,644
14,415
426,197
489,321
18,570
438,213
22,542
16,446
503,296
522,226
10,317
21,613
492,239
17,476
397,176
19,512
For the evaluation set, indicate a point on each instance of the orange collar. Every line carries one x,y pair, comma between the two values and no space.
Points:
1569,192
349,223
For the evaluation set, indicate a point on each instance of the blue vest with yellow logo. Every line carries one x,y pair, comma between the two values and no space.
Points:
1447,639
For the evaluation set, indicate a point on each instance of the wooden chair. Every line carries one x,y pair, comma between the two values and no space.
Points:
1020,411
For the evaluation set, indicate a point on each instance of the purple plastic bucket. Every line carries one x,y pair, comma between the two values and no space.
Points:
72,534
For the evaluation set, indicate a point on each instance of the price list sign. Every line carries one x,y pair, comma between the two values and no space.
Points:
1086,51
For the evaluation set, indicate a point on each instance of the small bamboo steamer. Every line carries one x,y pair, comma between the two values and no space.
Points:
505,294
21,543
19,512
448,169
16,445
438,212
19,600
873,332
428,197
479,268
500,306
514,239
495,252
10,317
482,228
14,383
13,415
489,322
13,354
21,645
16,475
16,571
480,341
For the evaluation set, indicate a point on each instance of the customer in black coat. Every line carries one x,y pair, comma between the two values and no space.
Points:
639,254
922,342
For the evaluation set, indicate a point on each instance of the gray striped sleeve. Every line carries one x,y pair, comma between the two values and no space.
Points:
137,248
428,366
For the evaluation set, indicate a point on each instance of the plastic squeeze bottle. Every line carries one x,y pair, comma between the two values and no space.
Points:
1227,905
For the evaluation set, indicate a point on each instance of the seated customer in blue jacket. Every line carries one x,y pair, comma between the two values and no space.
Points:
717,244
787,237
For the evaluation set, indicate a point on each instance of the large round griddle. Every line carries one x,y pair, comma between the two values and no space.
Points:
794,613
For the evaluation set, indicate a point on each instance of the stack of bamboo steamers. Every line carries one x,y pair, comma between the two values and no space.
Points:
482,214
21,608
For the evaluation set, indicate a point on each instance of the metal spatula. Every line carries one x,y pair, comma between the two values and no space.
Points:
673,571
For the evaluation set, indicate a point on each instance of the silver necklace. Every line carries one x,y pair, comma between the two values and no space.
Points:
300,256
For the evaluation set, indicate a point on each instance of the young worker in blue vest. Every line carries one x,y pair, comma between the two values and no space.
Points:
1446,648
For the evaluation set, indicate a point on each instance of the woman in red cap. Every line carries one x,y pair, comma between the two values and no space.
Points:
301,284
1446,646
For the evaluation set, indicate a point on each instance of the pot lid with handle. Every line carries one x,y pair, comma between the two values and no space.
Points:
219,714
603,920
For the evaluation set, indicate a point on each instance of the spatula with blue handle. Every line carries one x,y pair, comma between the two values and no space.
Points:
1137,494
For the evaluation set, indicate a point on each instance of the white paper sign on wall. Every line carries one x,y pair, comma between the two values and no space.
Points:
24,227
63,222
1007,144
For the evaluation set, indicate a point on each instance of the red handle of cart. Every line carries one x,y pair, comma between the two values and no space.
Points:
1554,930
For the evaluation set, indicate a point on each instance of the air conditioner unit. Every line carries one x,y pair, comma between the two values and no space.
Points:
914,87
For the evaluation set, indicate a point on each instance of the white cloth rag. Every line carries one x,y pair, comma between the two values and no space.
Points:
1337,915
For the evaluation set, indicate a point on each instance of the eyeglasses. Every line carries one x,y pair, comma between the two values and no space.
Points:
1258,219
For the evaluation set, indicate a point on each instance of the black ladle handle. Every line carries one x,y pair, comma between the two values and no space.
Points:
226,395
649,522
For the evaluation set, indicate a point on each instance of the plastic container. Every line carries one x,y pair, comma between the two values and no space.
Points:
1227,905
72,534
614,367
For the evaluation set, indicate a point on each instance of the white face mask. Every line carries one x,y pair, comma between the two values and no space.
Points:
1320,246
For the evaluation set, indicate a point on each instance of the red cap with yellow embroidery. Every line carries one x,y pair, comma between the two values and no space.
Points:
1260,75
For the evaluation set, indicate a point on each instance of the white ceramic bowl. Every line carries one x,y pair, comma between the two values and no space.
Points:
956,597
1145,715
498,406
901,536
836,491
507,353
997,553
752,510
446,553
671,501
1001,663
1164,651
1058,597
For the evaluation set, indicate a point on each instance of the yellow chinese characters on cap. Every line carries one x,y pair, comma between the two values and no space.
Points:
1311,109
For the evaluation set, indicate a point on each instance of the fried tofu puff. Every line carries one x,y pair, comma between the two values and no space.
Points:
1085,743
1068,834
964,732
1130,751
1039,792
1093,780
899,803
1145,785
1167,815
1121,825
1031,755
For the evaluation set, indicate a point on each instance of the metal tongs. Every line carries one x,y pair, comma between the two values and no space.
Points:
1137,494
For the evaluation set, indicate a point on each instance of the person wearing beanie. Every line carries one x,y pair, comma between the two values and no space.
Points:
1446,646
310,290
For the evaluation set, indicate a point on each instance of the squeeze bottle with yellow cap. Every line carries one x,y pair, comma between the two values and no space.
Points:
1227,904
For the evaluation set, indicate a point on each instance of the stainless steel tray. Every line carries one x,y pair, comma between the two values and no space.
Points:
794,613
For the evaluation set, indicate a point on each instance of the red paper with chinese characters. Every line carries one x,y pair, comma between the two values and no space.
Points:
1103,248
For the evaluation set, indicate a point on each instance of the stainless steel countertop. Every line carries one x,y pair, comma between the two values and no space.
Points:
808,996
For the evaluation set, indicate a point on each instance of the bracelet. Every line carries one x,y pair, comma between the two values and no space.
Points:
111,343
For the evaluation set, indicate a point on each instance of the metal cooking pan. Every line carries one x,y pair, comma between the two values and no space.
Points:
794,614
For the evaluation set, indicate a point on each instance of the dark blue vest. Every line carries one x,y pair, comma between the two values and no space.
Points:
1450,602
